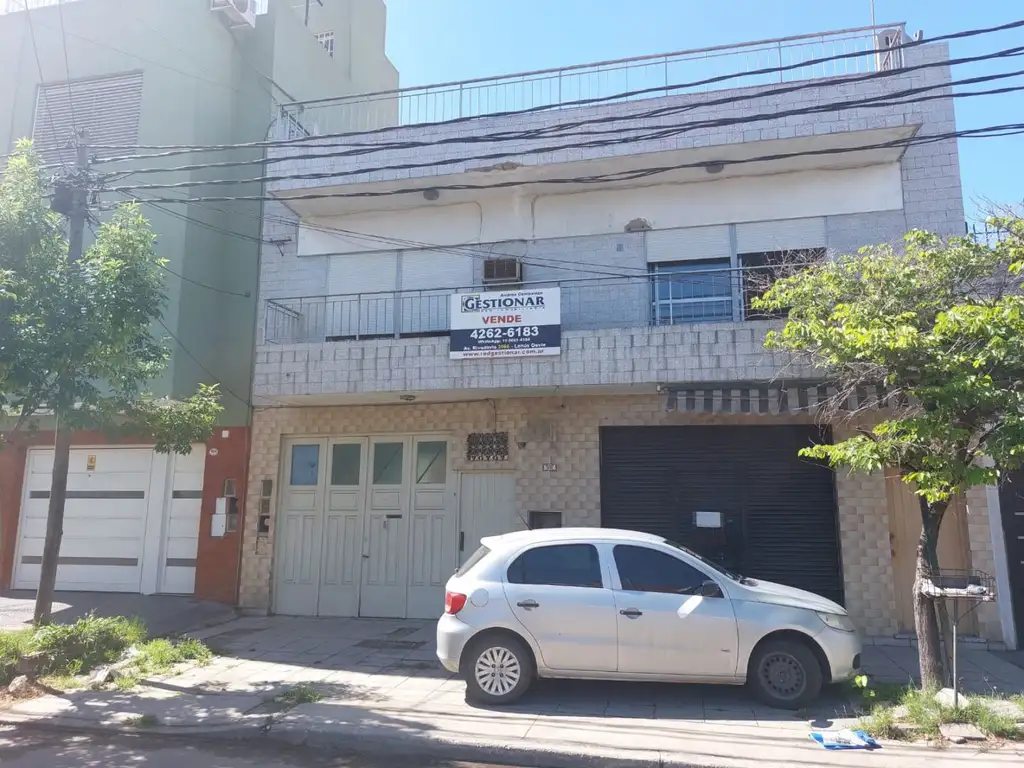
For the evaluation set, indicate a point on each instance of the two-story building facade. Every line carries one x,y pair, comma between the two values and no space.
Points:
134,76
411,396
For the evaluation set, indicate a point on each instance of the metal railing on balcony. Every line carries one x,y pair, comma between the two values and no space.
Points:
698,296
765,62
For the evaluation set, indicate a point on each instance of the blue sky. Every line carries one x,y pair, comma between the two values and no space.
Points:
432,41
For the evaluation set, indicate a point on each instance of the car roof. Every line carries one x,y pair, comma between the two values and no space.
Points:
545,535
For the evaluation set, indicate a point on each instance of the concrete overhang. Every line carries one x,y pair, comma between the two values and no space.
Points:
846,149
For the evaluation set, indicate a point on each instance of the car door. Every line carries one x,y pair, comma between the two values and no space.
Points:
668,623
559,595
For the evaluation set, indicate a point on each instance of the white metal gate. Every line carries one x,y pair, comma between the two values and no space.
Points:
365,527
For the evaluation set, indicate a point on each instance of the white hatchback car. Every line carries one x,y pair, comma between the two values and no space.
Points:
619,605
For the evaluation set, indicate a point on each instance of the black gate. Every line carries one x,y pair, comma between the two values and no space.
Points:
778,510
1011,503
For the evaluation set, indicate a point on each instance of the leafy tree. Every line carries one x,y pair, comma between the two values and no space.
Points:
75,341
940,324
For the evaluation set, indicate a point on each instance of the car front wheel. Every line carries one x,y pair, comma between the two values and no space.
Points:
785,674
498,669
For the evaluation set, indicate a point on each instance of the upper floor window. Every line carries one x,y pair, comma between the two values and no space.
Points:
326,39
760,270
108,107
691,291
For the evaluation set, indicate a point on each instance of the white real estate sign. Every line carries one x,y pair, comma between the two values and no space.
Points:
506,324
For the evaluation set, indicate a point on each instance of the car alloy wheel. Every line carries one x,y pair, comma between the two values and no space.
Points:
783,675
497,671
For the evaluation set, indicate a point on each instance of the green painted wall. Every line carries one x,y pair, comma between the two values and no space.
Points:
203,84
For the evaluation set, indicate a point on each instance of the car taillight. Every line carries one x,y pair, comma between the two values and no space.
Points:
454,602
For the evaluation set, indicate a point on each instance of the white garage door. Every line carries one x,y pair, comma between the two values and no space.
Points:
131,520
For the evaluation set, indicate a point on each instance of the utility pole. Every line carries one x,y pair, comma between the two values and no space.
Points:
71,198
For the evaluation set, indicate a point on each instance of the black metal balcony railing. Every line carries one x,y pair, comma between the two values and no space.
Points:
699,296
758,63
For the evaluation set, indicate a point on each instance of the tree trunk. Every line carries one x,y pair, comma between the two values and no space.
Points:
54,524
929,647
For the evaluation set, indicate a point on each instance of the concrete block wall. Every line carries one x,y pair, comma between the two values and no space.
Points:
574,489
931,178
979,535
644,356
865,547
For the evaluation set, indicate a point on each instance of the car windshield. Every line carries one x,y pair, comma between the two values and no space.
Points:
714,566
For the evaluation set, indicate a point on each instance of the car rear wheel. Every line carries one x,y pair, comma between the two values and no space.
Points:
498,669
785,674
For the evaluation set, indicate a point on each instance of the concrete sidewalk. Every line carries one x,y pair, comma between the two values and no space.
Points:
383,690
162,614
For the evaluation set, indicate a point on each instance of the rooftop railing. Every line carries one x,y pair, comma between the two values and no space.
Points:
765,62
693,296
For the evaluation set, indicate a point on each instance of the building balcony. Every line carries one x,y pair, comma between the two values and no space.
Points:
761,108
622,334
751,64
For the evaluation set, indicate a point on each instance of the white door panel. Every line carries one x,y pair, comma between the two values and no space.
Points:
342,550
574,626
300,528
487,504
432,542
665,626
105,519
385,532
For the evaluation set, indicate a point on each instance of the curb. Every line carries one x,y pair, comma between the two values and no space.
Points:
354,743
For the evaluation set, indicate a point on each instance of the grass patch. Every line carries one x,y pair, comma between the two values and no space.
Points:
881,723
13,645
70,649
921,716
304,693
159,656
142,721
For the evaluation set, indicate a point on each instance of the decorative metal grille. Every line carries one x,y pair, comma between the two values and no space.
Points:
487,446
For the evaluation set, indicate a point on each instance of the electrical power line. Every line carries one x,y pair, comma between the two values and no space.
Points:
539,261
215,289
197,361
41,95
1006,129
67,65
908,96
184,149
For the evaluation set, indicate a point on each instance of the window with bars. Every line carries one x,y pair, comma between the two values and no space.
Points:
326,39
691,291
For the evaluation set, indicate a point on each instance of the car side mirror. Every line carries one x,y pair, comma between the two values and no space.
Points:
710,589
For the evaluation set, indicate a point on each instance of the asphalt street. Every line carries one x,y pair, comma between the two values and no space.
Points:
25,748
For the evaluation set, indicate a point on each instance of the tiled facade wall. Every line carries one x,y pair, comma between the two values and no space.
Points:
565,432
640,356
931,177
979,535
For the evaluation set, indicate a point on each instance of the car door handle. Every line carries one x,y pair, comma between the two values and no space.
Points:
632,613
528,604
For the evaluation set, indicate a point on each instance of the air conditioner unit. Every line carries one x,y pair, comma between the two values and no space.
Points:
503,272
239,12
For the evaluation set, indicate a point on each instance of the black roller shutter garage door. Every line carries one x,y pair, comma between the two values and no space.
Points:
778,510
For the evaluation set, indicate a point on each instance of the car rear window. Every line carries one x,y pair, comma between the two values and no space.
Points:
475,558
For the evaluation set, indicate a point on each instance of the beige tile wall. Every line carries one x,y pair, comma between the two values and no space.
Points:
564,432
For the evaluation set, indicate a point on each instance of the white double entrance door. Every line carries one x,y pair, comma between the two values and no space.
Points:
365,527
